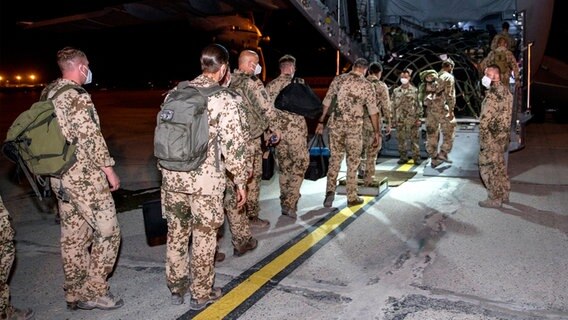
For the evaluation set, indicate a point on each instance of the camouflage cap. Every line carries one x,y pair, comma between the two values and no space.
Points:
425,73
448,62
287,58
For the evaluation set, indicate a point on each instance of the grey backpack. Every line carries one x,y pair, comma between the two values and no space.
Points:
181,137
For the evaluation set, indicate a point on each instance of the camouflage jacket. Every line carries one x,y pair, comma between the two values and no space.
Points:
405,105
354,94
285,120
79,120
506,61
449,88
3,210
495,119
225,131
383,100
255,99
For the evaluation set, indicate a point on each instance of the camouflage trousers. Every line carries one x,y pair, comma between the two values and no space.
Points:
293,160
369,153
437,123
253,184
198,216
344,140
238,220
90,238
408,136
493,172
7,253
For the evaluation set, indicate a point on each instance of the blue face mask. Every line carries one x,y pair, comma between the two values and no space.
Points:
88,76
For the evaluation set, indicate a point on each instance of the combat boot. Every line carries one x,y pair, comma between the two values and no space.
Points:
489,203
443,155
435,162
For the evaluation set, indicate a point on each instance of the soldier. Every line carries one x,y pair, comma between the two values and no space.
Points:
432,95
505,60
90,234
407,113
353,93
494,134
7,253
511,42
261,122
370,152
291,152
448,123
193,201
241,238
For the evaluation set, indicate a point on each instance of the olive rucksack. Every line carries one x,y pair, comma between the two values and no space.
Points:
35,142
255,122
181,137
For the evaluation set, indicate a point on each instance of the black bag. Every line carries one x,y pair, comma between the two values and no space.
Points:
155,226
267,164
299,98
319,159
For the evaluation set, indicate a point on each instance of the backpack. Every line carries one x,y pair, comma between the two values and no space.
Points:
255,121
35,142
181,137
299,98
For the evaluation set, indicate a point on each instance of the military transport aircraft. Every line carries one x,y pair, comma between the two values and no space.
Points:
453,28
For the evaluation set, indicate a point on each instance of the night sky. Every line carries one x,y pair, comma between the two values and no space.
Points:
166,51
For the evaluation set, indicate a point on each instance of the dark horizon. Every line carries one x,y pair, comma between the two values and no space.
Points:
162,52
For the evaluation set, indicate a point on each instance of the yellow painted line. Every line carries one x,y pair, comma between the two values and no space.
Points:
232,299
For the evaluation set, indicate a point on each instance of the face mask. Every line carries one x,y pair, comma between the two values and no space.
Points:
403,80
88,76
257,69
486,82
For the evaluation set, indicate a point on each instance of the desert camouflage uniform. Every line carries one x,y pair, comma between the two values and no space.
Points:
87,211
238,220
511,42
433,96
494,135
448,126
407,112
292,151
7,253
193,201
507,66
369,154
354,94
253,92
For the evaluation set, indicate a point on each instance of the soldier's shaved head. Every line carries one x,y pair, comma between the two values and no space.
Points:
247,56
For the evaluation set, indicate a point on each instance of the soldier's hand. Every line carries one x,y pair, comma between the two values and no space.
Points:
388,130
376,139
112,177
241,197
319,128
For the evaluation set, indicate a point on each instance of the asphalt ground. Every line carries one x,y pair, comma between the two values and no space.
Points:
422,250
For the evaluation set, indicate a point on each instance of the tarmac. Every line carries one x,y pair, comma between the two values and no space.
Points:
421,250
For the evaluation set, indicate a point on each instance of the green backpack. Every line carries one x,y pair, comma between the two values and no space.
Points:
181,137
35,142
255,121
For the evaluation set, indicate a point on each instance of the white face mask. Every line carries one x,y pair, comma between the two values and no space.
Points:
403,80
88,76
486,82
257,69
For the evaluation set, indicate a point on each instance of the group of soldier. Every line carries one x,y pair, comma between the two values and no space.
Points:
195,203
